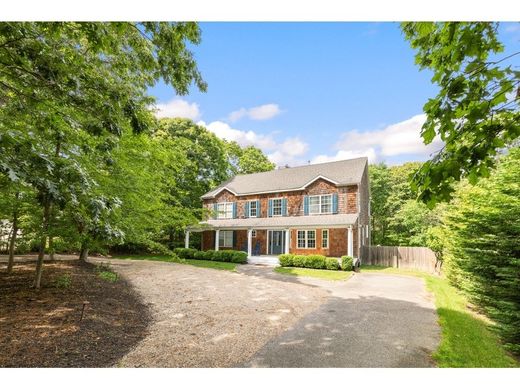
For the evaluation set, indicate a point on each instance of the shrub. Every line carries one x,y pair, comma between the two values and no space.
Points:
299,261
332,263
239,257
286,260
347,263
315,261
63,281
200,255
208,255
185,253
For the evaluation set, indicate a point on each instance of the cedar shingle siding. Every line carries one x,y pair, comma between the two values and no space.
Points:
347,181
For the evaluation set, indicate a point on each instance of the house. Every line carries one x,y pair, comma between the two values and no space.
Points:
312,209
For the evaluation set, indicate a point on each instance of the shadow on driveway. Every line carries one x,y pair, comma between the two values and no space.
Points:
359,332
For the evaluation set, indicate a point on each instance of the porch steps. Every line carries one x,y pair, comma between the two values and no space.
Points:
263,260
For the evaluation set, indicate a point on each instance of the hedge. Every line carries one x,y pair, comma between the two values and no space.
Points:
309,261
230,256
347,263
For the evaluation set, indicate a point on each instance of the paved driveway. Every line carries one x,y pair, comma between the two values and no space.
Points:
372,320
259,318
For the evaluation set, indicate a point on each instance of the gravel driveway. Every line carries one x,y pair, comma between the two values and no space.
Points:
211,318
259,318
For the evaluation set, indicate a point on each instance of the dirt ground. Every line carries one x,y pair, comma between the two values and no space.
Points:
43,328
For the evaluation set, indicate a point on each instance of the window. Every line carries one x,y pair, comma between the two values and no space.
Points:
301,239
277,207
253,211
306,239
320,204
225,210
225,239
253,233
324,238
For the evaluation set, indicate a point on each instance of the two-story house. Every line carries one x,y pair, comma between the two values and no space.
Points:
313,209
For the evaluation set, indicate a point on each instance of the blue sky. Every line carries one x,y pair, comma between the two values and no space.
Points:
312,91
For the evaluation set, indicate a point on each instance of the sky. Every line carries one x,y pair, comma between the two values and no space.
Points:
312,92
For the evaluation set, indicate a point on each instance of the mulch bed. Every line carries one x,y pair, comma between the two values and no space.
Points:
43,328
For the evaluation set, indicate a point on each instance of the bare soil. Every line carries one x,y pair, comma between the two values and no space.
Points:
42,328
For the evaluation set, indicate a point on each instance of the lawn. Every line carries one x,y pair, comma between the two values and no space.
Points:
197,263
314,273
466,339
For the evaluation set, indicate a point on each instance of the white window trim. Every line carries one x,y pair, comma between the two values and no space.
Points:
249,211
328,238
253,233
222,237
306,239
219,215
320,196
281,206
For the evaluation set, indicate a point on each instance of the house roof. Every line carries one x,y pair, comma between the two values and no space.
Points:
329,220
343,172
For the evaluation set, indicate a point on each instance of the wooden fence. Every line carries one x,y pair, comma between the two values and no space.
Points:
406,257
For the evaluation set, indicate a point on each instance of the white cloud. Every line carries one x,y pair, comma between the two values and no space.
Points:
290,151
259,113
243,138
399,139
177,108
346,155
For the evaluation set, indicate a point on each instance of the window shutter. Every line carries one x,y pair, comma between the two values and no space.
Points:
335,203
270,210
306,205
258,209
215,210
284,206
246,209
234,209
234,239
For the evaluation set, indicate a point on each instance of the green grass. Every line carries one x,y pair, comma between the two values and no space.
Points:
466,338
220,265
314,273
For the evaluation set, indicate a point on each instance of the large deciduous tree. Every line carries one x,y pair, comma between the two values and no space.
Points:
476,111
59,80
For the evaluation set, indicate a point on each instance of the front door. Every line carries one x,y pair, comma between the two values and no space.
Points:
276,242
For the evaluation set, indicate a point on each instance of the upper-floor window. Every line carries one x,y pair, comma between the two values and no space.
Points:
253,210
277,207
320,204
224,210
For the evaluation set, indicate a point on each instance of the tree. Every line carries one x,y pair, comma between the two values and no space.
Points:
60,80
475,111
482,253
379,208
247,160
411,223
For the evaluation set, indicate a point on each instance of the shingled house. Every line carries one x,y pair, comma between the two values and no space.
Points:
312,209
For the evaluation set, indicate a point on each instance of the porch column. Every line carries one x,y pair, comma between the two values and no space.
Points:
187,239
287,237
249,242
217,233
350,241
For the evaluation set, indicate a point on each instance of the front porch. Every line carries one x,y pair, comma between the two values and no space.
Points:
332,235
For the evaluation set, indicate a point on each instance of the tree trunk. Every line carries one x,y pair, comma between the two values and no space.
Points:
43,241
12,241
51,248
83,254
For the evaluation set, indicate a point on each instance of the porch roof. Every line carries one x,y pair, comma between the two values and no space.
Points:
331,220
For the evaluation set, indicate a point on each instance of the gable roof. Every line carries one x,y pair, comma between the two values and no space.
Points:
343,172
